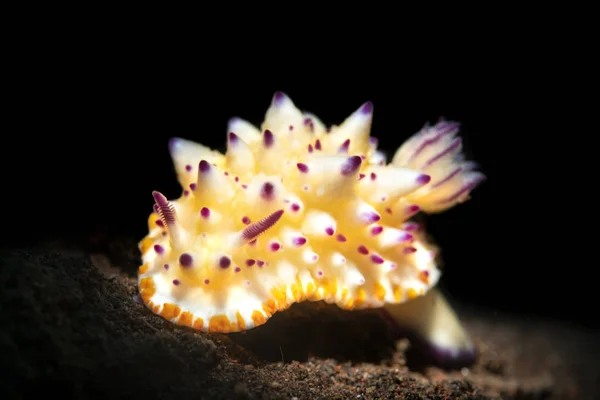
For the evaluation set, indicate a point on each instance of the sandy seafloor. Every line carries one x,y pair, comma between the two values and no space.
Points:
71,327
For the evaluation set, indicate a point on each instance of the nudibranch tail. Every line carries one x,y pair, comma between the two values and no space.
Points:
297,211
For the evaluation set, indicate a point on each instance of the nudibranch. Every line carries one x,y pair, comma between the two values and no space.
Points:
298,211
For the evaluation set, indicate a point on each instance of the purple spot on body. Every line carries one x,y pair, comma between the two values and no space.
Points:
176,282
206,281
205,212
166,267
237,179
423,179
204,166
164,233
160,223
188,168
260,263
226,173
244,186
295,207
224,262
237,269
376,230
250,262
159,249
373,176
246,220
315,257
351,165
302,167
367,108
267,191
329,231
409,250
411,226
388,210
318,144
291,127
363,250
185,260
274,246
299,241
412,209
376,259
186,192
341,238
360,176
192,186
370,217
310,148
268,138
344,147
320,273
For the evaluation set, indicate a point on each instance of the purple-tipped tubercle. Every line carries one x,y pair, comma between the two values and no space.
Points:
423,179
267,191
279,98
233,138
204,166
344,147
351,165
268,138
367,108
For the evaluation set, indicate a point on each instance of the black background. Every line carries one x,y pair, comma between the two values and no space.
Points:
93,127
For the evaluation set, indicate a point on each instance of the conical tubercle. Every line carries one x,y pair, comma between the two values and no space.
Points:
255,229
240,159
168,216
212,185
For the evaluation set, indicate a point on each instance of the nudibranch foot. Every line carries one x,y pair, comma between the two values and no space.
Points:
434,329
296,211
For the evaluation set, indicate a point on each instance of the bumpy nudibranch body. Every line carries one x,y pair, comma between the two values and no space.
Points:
297,211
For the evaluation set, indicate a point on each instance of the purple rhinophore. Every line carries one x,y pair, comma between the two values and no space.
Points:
186,260
224,262
255,229
268,138
204,166
351,165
